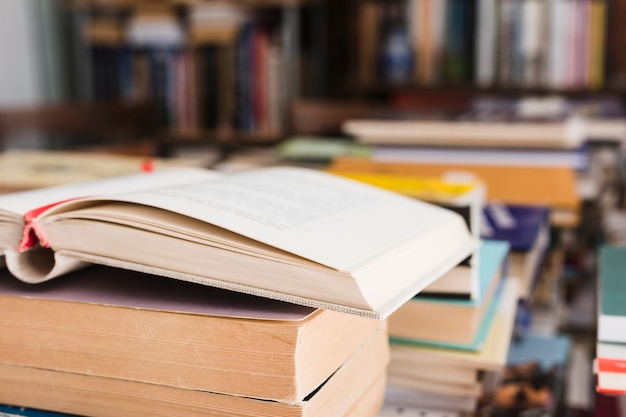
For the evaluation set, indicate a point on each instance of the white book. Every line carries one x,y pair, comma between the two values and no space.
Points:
531,40
292,234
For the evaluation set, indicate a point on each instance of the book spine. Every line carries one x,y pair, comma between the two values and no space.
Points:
244,85
611,365
486,36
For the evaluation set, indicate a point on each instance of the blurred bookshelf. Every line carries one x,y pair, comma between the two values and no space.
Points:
218,71
259,58
510,46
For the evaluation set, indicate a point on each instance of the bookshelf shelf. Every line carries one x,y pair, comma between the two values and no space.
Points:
384,89
216,137
125,4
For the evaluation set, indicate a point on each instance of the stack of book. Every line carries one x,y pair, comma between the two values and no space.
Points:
442,350
303,333
610,362
104,341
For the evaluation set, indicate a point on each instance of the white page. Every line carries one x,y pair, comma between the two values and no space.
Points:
22,202
331,220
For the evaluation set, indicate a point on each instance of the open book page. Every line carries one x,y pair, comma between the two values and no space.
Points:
37,265
330,220
25,201
16,209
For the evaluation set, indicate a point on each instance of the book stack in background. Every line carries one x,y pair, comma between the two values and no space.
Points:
610,361
443,350
554,187
527,230
534,261
452,363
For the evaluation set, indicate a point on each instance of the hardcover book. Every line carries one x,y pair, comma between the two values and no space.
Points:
292,234
611,294
527,230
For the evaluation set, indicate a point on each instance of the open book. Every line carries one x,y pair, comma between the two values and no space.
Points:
292,234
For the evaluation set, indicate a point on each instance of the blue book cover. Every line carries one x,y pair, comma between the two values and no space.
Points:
517,224
15,411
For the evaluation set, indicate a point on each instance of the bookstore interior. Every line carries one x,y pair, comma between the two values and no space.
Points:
414,208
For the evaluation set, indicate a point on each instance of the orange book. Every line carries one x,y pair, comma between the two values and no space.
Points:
554,187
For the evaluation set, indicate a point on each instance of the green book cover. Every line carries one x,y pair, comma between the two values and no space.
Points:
612,294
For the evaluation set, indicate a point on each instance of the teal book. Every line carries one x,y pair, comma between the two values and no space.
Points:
612,294
459,324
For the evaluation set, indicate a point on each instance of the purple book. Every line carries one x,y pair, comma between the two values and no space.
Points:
519,225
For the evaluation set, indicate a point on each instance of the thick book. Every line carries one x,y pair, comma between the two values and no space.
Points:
459,321
292,234
611,294
122,324
527,230
355,389
461,195
489,356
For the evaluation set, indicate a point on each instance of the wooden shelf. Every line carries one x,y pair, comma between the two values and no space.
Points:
384,88
124,4
216,137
